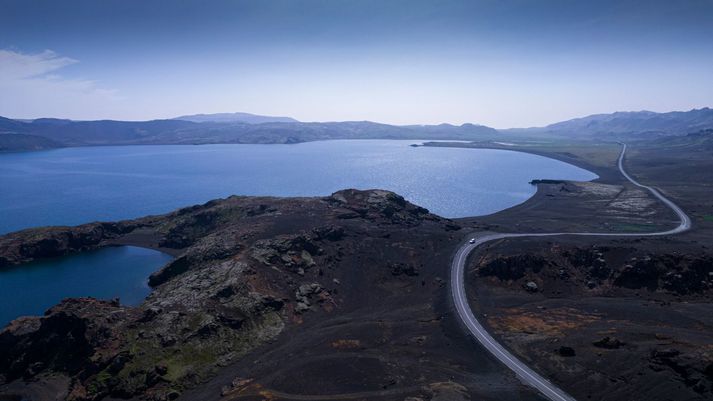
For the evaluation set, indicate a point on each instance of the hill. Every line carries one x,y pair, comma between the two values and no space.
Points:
8,126
235,118
635,124
248,128
176,131
328,285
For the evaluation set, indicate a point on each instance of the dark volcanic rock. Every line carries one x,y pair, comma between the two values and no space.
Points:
379,206
28,245
673,273
512,267
690,370
247,268
398,269
638,275
634,311
608,343
602,269
331,233
566,351
67,339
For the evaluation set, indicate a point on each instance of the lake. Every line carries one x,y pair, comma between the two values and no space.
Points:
78,185
105,273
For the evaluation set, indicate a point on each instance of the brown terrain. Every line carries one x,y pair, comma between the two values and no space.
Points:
345,297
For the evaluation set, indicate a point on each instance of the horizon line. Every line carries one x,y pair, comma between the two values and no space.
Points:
349,121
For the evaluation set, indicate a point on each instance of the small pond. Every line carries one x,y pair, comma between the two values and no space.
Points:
105,273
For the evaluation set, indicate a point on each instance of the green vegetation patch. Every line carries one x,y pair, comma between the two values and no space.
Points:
189,360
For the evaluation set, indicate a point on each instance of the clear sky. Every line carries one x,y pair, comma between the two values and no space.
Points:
495,62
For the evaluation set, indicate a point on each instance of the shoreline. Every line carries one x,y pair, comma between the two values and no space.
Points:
576,163
603,173
143,238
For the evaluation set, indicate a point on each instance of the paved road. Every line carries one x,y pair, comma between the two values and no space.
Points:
527,375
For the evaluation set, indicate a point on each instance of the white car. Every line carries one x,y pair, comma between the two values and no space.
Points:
472,241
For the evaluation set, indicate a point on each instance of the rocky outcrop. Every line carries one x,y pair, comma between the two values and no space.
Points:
379,206
191,324
292,252
246,268
330,233
691,371
76,336
566,351
219,245
592,258
604,269
608,343
28,245
512,267
186,226
308,293
673,273
408,269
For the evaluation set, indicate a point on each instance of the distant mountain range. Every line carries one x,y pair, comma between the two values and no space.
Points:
45,133
235,118
221,128
640,124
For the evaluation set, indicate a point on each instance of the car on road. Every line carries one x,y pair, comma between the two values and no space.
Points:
472,241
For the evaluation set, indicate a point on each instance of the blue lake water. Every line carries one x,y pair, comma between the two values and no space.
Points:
78,185
105,273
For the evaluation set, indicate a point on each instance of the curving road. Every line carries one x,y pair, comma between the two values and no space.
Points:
527,375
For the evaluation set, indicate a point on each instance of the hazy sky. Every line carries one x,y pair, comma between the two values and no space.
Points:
494,62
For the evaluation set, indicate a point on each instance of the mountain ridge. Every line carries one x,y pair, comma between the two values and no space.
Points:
635,123
177,131
224,128
234,117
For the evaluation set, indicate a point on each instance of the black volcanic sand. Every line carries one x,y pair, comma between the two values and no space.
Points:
638,315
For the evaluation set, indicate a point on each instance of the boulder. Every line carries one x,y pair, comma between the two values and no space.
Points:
566,351
608,343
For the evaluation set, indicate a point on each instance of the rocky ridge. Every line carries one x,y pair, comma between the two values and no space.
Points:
604,270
